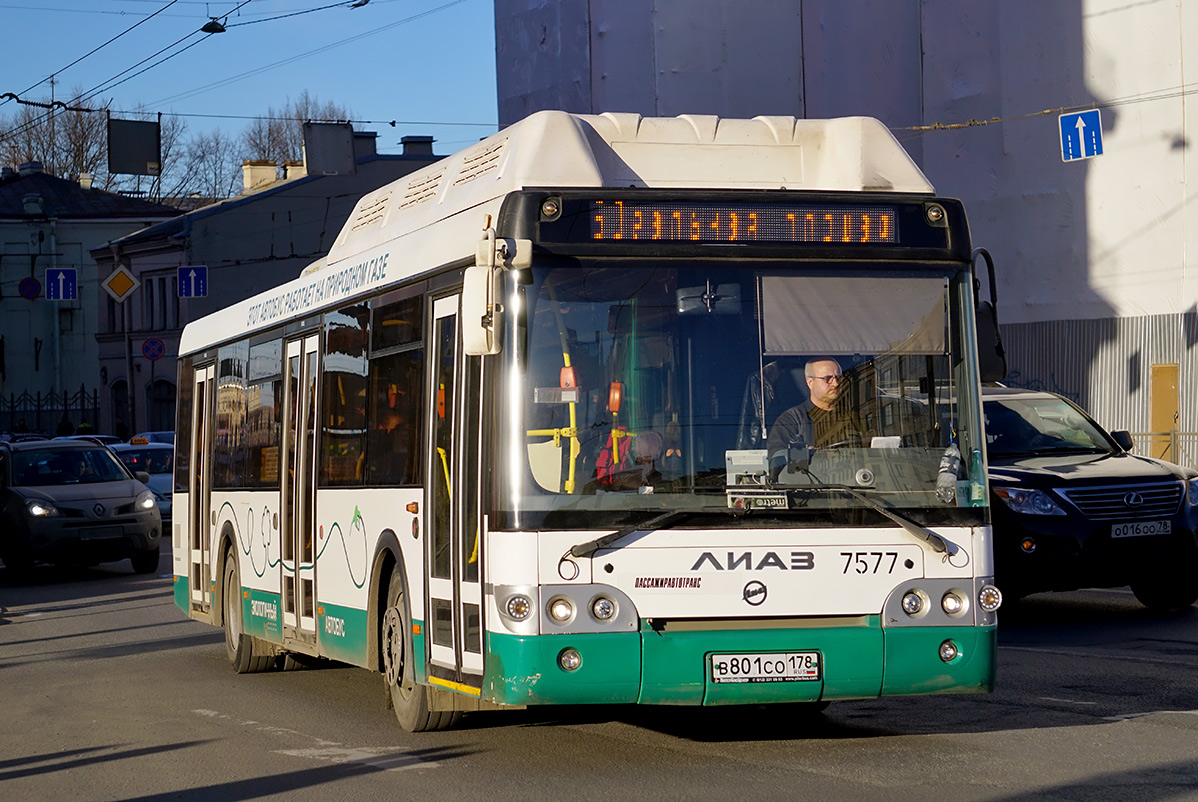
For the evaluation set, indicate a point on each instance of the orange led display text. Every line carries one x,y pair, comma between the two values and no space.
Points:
746,223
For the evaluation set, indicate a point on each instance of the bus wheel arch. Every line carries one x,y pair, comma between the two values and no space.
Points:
388,559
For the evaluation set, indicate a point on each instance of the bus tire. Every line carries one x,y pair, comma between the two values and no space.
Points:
409,698
238,645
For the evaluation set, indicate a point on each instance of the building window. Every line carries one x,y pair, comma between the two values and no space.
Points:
160,301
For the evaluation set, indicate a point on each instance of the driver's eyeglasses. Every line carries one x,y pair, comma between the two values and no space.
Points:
828,379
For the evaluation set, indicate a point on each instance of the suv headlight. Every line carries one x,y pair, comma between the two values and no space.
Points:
1192,492
145,500
1029,502
41,509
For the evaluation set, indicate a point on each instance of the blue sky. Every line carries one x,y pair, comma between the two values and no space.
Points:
427,64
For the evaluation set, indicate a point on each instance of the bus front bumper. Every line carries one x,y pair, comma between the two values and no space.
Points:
672,665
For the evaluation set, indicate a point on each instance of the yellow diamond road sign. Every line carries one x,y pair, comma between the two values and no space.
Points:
120,283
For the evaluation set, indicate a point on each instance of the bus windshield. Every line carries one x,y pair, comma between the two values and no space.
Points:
652,385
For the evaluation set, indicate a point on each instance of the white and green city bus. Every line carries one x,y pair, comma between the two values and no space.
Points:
509,443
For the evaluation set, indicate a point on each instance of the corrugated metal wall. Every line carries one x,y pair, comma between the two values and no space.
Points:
1104,365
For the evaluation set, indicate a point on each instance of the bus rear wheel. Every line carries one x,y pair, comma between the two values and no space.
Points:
409,698
238,645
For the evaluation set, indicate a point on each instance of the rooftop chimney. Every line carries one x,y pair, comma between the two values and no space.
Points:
417,145
29,168
364,144
293,170
258,174
85,180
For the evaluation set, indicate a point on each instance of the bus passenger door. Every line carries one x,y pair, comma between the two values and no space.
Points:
453,618
199,490
298,563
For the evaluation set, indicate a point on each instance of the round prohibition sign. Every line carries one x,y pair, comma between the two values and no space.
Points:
153,349
29,288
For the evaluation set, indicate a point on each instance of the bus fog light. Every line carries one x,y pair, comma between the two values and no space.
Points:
603,608
948,651
912,603
518,607
989,598
569,659
952,603
561,610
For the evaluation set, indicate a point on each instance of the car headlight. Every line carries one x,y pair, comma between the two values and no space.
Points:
145,500
1192,492
1029,502
41,509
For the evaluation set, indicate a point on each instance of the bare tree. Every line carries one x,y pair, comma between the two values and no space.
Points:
278,136
212,164
205,165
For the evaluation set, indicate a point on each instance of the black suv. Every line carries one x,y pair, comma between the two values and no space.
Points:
74,502
1072,508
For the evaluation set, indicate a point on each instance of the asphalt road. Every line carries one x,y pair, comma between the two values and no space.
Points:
107,692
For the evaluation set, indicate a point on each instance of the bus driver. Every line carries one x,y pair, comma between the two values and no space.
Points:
821,421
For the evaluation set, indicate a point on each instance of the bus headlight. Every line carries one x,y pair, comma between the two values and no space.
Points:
603,608
912,602
989,598
952,603
518,607
561,609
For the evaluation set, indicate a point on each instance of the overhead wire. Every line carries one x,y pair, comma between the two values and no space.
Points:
291,59
94,50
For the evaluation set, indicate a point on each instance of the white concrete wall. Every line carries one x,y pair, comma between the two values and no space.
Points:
1097,240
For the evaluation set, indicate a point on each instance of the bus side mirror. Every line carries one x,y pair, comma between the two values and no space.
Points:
482,316
482,307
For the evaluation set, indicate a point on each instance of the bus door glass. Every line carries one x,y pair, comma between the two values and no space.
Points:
298,555
200,489
455,596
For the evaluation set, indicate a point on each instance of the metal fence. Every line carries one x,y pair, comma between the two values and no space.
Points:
1173,446
51,413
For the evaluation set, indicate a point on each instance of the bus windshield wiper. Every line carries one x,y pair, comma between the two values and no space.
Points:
934,540
662,521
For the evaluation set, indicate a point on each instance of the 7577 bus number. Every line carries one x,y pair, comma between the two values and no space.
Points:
870,562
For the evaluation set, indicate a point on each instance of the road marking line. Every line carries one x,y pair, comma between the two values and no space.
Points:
387,758
1065,701
381,757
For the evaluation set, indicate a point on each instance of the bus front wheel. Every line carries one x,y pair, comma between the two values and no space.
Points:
238,645
409,698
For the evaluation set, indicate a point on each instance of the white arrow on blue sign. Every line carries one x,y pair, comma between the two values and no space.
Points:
61,284
193,281
1081,135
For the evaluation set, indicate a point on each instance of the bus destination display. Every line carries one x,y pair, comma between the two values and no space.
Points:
615,220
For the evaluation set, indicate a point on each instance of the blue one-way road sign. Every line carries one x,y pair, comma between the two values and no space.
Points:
1081,135
61,284
193,281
